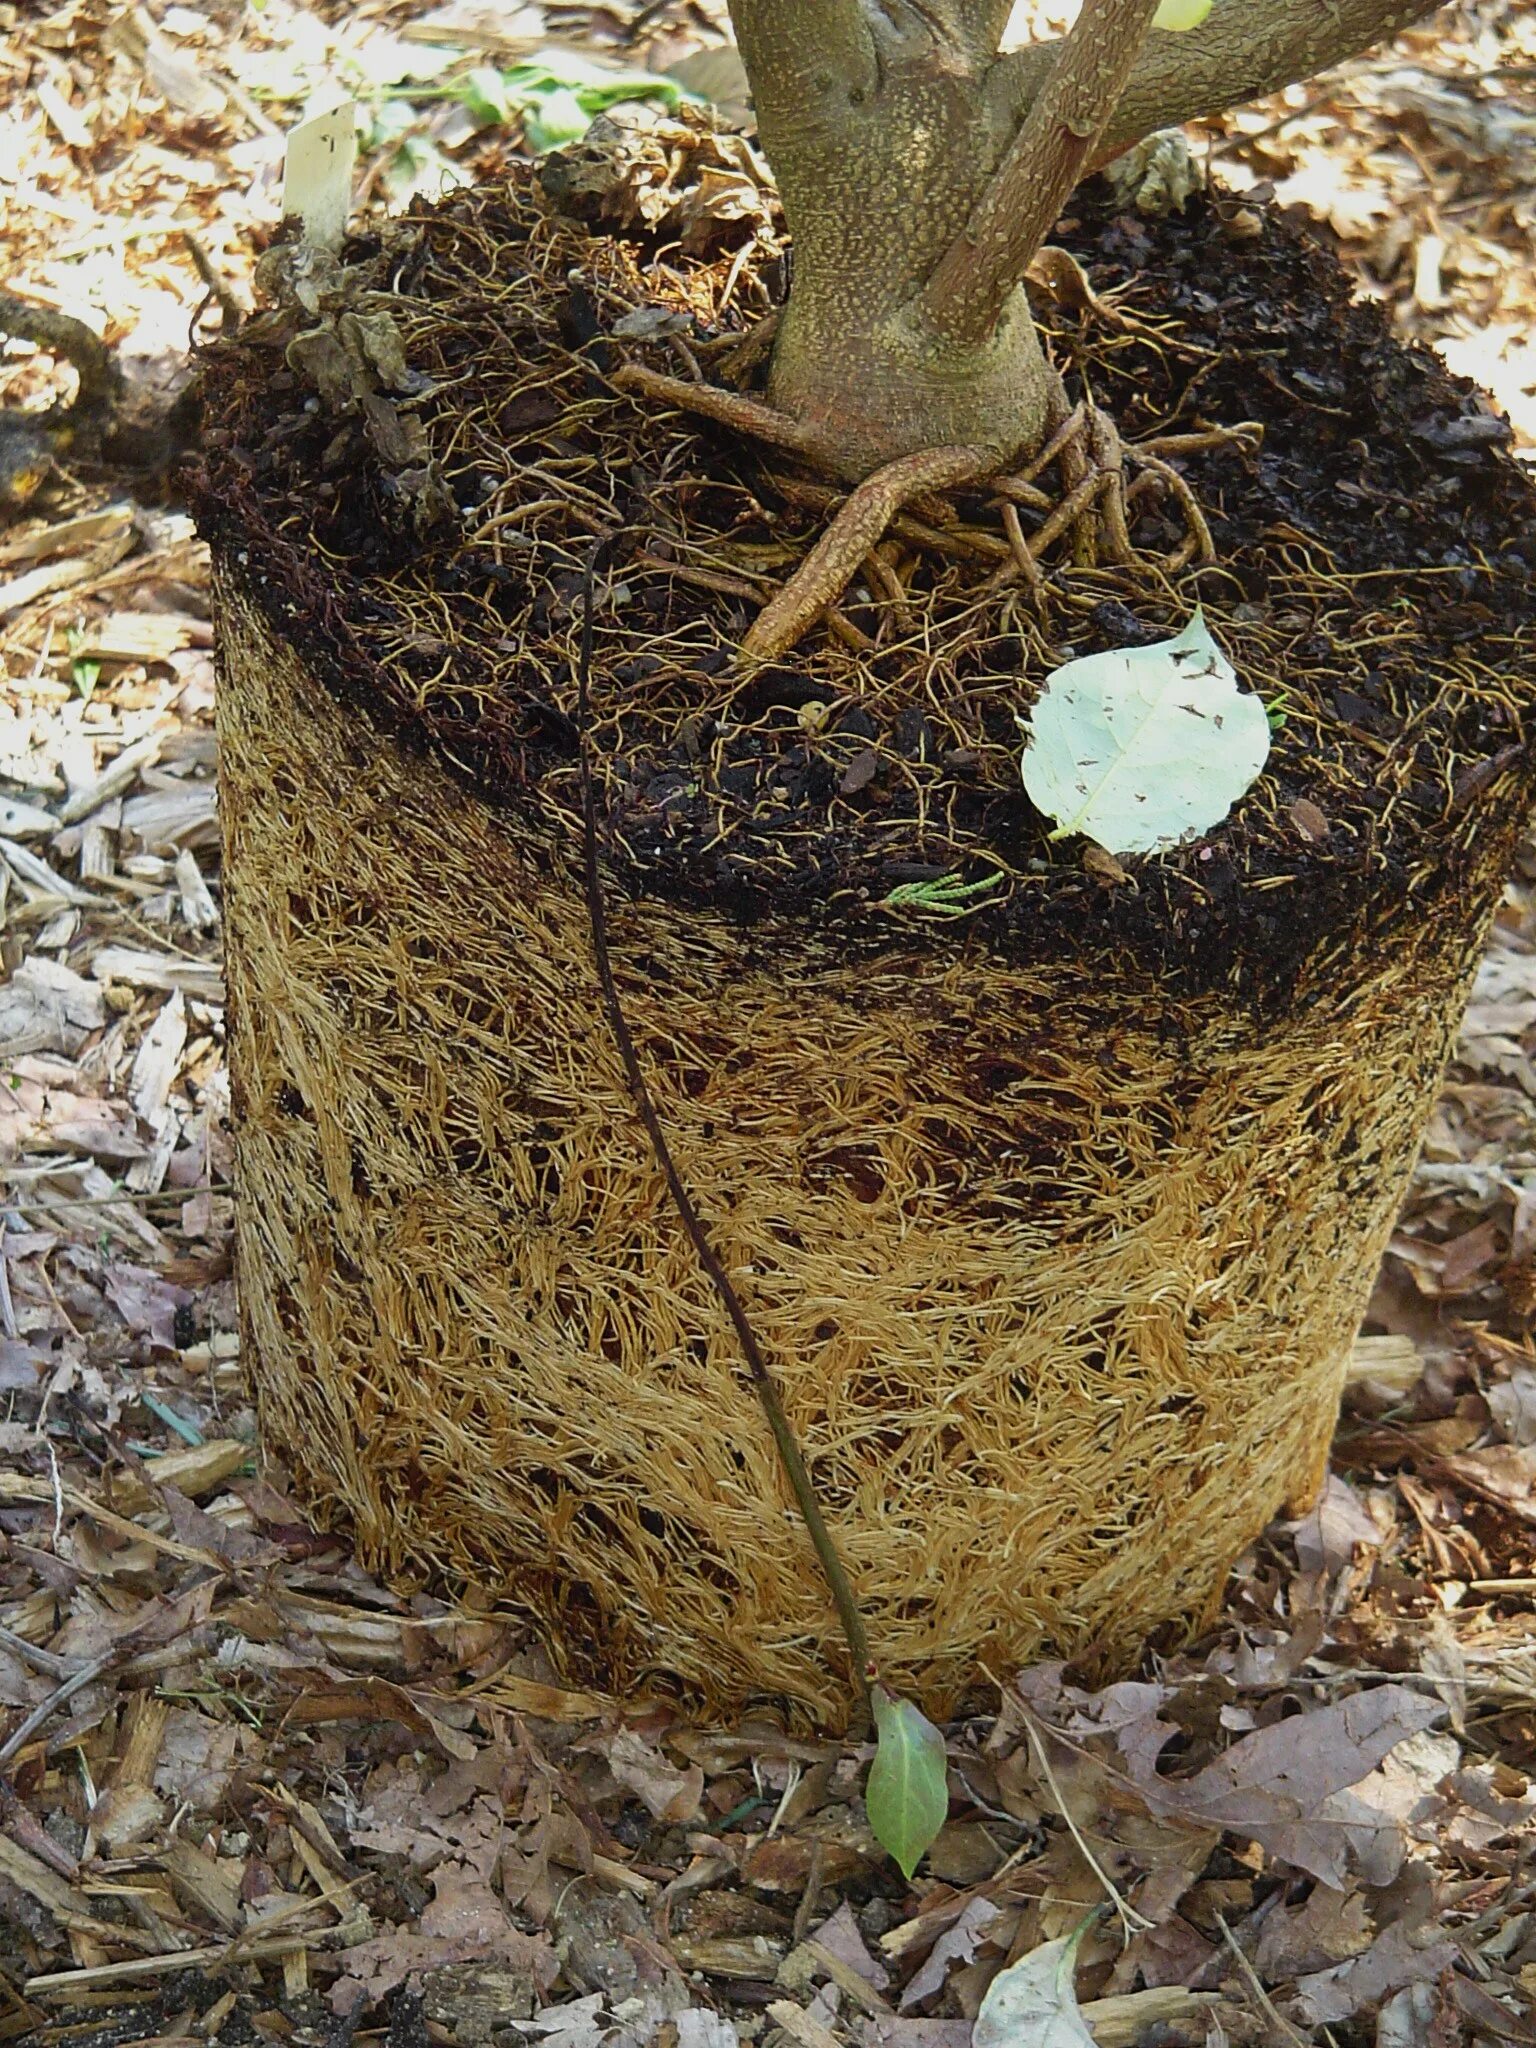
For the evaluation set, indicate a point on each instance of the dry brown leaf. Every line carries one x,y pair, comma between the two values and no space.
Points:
1298,1787
1398,1957
1505,1473
1513,1405
667,1793
954,1948
464,1922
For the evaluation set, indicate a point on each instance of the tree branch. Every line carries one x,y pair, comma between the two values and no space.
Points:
987,19
980,270
1242,50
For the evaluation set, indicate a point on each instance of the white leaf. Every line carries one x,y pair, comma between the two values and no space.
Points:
317,174
1143,746
1033,2004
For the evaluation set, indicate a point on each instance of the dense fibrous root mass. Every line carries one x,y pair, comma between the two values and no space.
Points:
1102,482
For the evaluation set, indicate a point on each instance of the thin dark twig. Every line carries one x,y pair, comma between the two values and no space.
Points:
21,1735
34,1654
762,1377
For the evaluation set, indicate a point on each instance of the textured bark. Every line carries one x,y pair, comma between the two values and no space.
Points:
876,178
920,171
1242,50
1049,154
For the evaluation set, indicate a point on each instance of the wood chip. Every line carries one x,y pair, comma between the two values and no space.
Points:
70,122
1394,1361
97,853
120,775
143,969
40,882
164,819
54,576
136,1968
195,1471
197,905
800,2026
209,1884
158,1061
142,636
1123,2021
65,535
25,821
47,1008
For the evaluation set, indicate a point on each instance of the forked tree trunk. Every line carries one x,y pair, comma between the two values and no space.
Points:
920,171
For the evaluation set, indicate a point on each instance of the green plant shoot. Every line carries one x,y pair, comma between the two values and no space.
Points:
946,897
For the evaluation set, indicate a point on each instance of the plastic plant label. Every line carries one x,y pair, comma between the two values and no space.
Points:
1143,746
1034,2004
906,1794
1179,15
317,174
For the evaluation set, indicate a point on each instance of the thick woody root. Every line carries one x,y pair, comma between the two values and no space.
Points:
1094,504
869,509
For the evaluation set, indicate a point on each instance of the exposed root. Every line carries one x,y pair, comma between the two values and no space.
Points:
1094,505
1109,457
949,539
1074,465
883,575
823,576
1024,561
738,355
1199,542
1093,462
1061,275
726,408
1246,434
1068,432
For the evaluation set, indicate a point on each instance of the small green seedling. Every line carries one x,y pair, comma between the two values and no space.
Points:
906,1794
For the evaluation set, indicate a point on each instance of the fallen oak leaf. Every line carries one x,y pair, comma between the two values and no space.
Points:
1392,1962
1288,1786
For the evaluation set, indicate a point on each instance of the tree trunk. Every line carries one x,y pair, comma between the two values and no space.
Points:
874,198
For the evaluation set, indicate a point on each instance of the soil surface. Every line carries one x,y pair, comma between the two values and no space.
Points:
1374,584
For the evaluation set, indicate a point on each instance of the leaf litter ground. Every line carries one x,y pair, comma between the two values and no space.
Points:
280,1804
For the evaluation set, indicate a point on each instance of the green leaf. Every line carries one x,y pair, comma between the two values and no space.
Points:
551,119
419,168
905,1795
1142,747
1179,15
1033,2004
483,91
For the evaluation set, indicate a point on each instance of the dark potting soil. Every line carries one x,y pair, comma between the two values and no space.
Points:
1374,584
